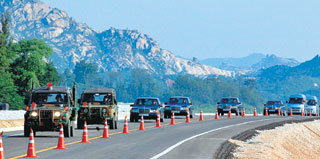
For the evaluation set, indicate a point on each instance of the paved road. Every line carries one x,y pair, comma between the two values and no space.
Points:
184,140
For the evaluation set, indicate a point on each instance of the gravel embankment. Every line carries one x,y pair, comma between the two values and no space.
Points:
295,141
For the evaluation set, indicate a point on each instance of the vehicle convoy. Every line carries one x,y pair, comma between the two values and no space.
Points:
296,103
179,105
48,107
96,105
312,105
230,103
149,107
273,107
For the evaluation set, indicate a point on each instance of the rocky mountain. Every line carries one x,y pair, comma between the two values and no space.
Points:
111,50
253,62
272,60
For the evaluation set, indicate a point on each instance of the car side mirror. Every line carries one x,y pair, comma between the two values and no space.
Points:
239,103
131,105
265,104
190,103
79,100
165,103
287,102
218,102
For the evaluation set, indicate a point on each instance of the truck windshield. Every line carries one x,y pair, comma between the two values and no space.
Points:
312,102
296,101
178,100
97,97
229,101
50,98
146,102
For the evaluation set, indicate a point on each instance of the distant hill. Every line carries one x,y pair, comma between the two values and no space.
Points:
280,81
253,61
111,50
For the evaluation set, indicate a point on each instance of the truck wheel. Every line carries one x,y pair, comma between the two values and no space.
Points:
136,119
80,124
71,130
237,113
166,115
111,124
66,129
191,115
115,124
26,130
161,120
222,114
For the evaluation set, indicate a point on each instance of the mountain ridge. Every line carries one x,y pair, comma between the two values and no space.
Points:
112,50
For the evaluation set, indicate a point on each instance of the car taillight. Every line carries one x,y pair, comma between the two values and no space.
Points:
84,104
65,108
27,108
63,118
131,110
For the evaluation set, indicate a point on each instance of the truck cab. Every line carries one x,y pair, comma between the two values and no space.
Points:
96,105
149,107
230,103
48,108
273,107
296,103
179,105
312,105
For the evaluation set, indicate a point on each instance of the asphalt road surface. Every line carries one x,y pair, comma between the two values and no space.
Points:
184,140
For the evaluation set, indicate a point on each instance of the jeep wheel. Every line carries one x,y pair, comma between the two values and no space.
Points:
166,115
136,119
66,129
237,113
71,130
80,124
161,119
111,124
222,114
191,115
115,124
26,130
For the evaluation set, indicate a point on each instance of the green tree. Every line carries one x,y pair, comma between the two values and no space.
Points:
8,91
85,72
30,66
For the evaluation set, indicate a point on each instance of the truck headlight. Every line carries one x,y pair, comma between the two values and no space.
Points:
104,110
57,114
183,108
34,114
85,110
152,110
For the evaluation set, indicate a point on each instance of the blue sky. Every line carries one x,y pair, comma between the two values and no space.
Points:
210,28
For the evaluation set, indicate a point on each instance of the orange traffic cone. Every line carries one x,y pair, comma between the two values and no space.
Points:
61,139
188,117
105,130
217,116
172,119
142,123
158,121
255,112
266,112
1,147
31,149
244,112
229,114
302,113
279,109
290,111
201,116
85,138
310,112
125,128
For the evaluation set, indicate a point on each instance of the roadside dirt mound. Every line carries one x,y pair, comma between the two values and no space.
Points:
297,140
11,123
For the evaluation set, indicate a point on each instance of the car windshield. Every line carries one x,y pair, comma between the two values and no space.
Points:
50,98
146,102
178,101
97,97
274,103
312,102
229,101
296,101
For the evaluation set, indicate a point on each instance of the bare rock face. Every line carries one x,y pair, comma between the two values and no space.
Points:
111,50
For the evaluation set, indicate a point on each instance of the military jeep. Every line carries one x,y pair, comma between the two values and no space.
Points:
96,105
49,107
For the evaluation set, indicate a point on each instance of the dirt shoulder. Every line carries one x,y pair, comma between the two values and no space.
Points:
236,147
11,123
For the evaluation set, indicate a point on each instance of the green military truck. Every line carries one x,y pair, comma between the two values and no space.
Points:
96,105
48,107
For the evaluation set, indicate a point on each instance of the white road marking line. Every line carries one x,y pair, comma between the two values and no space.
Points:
192,137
